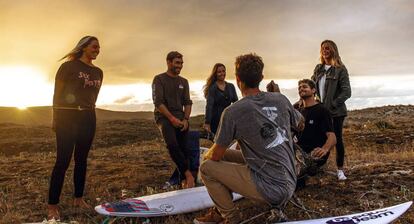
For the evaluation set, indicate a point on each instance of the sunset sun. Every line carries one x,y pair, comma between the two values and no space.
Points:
23,86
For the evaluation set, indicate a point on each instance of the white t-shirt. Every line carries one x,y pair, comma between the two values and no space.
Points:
322,81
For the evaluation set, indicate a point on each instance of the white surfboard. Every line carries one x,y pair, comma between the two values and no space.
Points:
379,216
162,204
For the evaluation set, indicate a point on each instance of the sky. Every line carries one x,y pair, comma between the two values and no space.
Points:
374,40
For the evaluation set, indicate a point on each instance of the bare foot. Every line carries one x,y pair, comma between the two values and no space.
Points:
184,184
81,203
53,212
189,180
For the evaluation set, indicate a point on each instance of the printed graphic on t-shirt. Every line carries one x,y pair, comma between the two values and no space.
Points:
89,83
154,95
280,138
271,112
268,130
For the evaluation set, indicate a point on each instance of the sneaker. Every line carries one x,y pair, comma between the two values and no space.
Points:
341,175
213,216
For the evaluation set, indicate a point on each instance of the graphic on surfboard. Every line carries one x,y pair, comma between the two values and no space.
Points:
379,216
162,204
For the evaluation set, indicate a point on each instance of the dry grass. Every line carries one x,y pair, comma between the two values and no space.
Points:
380,172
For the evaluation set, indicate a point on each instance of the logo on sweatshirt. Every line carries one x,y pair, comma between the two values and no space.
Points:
87,82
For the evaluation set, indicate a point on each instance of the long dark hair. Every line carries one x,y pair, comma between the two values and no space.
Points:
77,52
212,78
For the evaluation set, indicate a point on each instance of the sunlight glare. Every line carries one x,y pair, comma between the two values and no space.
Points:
23,86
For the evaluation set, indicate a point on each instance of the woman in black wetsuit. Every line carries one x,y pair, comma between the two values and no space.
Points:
77,85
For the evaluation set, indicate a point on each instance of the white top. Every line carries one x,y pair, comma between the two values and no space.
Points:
322,81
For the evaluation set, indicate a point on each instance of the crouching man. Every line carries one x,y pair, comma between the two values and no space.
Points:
318,137
264,167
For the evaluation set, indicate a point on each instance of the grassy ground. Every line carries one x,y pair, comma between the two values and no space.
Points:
129,160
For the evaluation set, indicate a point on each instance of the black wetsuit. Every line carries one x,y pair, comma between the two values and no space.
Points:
76,89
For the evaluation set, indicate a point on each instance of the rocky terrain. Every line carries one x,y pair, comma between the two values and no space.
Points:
129,159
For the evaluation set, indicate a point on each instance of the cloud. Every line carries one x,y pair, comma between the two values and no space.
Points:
367,91
124,100
374,37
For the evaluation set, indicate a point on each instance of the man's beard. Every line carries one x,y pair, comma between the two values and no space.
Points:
174,70
306,97
177,71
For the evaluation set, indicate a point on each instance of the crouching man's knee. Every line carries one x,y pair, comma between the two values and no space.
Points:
205,167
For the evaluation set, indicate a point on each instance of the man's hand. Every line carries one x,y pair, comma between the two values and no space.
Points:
189,181
273,87
208,155
319,152
185,125
215,153
176,123
301,125
207,127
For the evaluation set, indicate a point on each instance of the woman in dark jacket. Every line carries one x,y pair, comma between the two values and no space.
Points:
333,89
77,85
219,94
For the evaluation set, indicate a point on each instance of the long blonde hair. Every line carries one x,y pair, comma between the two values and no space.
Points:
77,52
336,59
212,78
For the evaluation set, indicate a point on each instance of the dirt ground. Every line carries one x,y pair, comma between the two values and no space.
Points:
130,160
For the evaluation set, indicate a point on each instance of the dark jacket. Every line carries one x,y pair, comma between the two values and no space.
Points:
217,101
337,88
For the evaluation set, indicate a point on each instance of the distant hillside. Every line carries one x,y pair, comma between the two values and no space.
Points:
395,113
42,116
29,130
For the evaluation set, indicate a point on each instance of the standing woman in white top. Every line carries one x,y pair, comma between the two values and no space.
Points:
333,89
